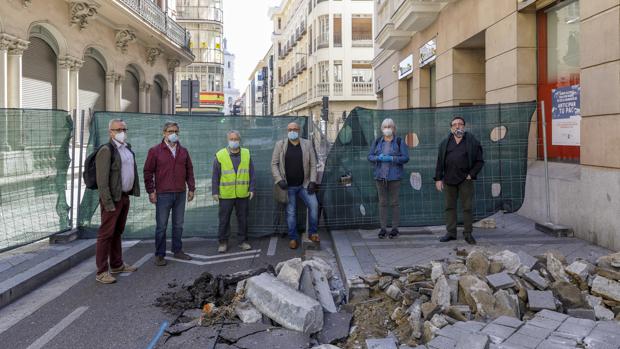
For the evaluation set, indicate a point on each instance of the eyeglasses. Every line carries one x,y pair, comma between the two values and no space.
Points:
118,129
293,129
458,124
172,131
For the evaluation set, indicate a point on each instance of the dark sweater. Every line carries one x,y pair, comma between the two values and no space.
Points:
293,165
472,166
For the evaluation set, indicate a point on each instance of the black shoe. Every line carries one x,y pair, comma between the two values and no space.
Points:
393,234
470,239
447,237
382,234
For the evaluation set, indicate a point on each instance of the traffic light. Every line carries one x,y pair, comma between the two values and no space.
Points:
325,109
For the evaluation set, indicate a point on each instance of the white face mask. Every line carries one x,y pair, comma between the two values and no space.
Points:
387,132
173,138
120,137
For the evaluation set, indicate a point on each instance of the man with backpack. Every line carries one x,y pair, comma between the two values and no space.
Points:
388,154
117,178
167,171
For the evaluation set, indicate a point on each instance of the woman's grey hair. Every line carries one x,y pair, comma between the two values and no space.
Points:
388,123
170,124
113,121
235,132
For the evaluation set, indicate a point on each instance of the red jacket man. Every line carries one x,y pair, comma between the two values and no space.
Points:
168,172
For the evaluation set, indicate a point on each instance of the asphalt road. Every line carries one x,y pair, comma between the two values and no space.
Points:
75,311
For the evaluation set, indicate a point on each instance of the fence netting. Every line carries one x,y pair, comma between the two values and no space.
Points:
34,163
348,190
203,136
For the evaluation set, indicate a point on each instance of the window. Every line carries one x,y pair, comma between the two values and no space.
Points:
324,71
337,30
229,85
361,74
322,40
338,71
279,23
361,31
228,64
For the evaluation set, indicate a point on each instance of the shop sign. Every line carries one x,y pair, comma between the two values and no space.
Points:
566,115
211,98
428,52
405,67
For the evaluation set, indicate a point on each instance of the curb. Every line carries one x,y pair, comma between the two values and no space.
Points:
22,283
347,260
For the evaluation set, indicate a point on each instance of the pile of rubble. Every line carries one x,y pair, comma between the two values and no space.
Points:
294,305
412,304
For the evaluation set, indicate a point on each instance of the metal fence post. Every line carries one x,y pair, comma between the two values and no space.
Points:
72,191
544,127
79,196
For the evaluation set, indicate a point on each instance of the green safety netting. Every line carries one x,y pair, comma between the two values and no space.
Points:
34,161
203,135
348,193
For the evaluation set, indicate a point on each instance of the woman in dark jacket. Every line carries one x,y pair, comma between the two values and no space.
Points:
388,153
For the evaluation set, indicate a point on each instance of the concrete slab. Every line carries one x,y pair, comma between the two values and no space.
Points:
539,300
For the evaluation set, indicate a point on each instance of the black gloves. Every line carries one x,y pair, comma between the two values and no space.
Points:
312,188
282,184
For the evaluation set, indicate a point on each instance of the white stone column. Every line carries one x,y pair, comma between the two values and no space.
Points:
110,92
118,92
74,84
4,51
142,99
14,70
62,85
165,107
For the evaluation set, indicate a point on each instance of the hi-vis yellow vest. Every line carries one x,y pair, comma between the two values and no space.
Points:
234,185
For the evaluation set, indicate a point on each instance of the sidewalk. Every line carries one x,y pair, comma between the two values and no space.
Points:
25,268
359,251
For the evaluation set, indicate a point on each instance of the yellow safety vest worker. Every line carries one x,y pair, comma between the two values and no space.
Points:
234,184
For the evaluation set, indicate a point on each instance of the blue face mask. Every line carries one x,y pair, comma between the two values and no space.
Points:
293,135
233,144
173,138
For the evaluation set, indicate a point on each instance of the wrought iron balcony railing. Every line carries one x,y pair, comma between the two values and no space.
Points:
155,16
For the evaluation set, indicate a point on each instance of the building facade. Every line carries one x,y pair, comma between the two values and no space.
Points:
231,93
260,87
563,53
323,48
204,20
91,55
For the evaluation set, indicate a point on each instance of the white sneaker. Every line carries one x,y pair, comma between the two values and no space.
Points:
222,247
245,246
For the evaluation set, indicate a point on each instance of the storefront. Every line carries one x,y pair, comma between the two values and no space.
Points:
558,30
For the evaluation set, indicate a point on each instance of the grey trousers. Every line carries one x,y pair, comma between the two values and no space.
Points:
388,192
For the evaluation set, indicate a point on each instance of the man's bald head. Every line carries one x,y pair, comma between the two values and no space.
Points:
293,126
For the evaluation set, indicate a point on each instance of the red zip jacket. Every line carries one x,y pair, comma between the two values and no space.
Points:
165,173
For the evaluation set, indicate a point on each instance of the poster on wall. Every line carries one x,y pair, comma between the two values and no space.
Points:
566,115
405,67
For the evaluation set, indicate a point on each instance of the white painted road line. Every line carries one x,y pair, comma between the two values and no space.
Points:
215,261
273,244
54,331
25,306
139,263
220,255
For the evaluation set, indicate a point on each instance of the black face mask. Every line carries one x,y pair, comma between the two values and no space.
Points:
459,133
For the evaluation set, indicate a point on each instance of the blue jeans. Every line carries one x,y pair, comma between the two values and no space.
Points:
167,202
291,210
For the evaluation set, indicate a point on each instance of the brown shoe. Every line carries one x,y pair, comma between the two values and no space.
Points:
182,255
292,244
105,278
125,268
160,261
315,238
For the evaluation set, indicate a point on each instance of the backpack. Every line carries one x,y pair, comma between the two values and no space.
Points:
90,167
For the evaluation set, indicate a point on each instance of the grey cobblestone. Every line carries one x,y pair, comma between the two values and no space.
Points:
525,341
553,315
534,331
577,328
545,323
539,300
549,344
441,343
508,321
498,333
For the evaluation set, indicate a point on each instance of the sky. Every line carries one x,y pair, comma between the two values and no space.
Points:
248,29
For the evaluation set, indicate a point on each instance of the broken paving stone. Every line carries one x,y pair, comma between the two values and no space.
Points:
526,259
381,343
325,346
383,271
306,283
509,260
274,338
608,272
582,313
415,276
385,281
539,300
335,327
290,308
505,304
439,321
441,343
290,272
495,267
477,294
371,279
456,268
500,281
436,270
461,313
429,309
579,271
477,263
394,292
535,279
555,268
429,331
602,313
607,288
319,264
247,313
321,288
569,294
441,292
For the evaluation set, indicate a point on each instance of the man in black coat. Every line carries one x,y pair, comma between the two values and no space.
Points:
458,163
